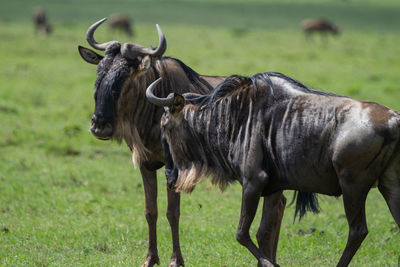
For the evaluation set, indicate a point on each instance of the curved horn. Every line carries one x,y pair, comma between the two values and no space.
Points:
161,102
162,44
133,50
92,41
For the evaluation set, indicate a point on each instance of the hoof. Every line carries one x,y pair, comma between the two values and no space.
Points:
151,261
176,262
266,263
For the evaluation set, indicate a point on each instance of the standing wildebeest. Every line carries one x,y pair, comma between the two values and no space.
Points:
122,112
311,26
122,22
284,136
40,21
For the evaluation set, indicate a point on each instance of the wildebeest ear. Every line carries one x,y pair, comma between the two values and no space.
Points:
179,103
89,55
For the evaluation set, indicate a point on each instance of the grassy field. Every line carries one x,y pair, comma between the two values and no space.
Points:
67,199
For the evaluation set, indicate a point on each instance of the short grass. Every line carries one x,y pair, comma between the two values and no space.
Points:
67,199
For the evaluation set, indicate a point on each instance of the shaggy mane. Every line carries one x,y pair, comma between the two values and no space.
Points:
189,178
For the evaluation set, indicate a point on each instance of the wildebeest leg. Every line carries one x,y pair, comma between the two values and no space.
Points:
392,197
268,232
389,186
250,198
391,193
151,213
354,205
173,213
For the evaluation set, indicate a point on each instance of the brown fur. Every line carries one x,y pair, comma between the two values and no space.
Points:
122,22
40,21
310,26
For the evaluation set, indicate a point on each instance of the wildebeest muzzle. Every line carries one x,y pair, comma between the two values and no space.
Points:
101,128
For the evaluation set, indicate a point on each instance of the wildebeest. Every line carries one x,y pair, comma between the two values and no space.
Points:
279,135
311,26
122,112
40,21
121,22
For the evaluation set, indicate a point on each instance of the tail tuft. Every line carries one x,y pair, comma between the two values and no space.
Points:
305,201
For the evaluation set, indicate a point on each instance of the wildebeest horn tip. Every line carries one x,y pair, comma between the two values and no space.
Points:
90,39
162,102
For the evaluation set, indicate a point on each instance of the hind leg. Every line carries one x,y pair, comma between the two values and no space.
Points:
355,189
354,204
390,189
393,201
389,186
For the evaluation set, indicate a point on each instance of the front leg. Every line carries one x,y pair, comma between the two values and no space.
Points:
174,199
250,197
268,232
151,213
173,214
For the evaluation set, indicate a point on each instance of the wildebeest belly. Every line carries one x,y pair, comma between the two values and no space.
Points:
305,172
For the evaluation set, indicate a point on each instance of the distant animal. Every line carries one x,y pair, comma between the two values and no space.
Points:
122,112
311,26
281,134
121,22
40,21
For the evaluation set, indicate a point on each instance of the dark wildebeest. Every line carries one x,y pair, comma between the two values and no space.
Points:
311,26
40,21
121,22
122,112
284,136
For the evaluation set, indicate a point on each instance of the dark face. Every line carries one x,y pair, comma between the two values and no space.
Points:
173,114
113,73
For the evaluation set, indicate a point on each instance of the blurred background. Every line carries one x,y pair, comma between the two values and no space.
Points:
67,199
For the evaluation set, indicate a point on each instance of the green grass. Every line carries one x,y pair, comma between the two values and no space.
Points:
358,15
71,200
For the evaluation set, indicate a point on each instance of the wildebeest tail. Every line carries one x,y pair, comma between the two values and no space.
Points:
305,201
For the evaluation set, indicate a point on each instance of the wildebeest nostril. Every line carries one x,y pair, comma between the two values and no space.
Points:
101,128
99,121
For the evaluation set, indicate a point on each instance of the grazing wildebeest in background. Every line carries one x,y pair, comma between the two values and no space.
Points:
122,112
322,26
121,22
40,21
283,135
